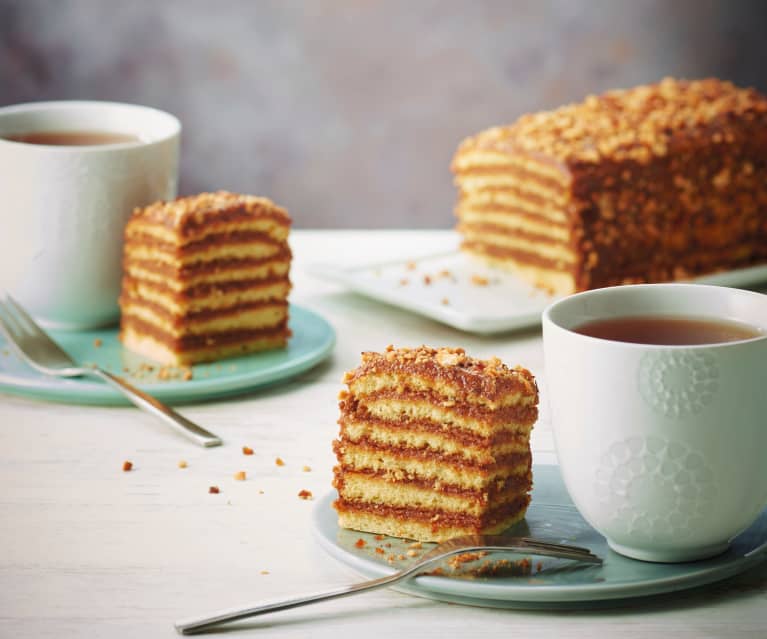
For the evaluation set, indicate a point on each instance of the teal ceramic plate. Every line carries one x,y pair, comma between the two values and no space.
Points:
312,341
553,583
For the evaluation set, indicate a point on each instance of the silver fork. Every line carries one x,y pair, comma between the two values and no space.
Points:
39,351
455,546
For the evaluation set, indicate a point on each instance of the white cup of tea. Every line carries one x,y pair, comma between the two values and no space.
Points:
661,445
71,172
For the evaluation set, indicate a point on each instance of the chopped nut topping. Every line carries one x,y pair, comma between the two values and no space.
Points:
630,124
360,543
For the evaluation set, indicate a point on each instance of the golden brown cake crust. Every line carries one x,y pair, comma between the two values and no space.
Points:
185,214
489,378
628,124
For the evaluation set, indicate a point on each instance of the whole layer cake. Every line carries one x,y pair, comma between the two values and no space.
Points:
655,183
434,444
205,277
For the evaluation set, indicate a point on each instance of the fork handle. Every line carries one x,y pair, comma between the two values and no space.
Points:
158,409
192,626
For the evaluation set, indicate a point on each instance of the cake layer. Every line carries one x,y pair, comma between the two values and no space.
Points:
511,201
182,278
187,341
390,405
219,298
539,272
369,488
448,373
489,151
258,317
432,436
247,246
198,215
519,240
158,349
523,187
415,465
426,525
510,222
238,225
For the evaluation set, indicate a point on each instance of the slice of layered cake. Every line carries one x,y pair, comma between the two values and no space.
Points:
434,444
205,277
659,182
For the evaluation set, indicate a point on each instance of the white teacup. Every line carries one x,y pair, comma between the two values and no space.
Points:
662,448
65,207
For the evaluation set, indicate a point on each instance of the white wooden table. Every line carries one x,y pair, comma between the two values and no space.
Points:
87,550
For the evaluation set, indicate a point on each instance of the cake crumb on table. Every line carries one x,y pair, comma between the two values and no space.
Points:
214,490
445,302
479,280
247,450
305,494
240,475
404,281
127,466
264,572
411,265
182,464
306,469
279,461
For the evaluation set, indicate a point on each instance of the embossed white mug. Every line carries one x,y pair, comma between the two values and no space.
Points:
65,207
663,449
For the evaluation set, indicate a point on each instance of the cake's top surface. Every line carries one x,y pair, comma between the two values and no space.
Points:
486,377
195,210
629,124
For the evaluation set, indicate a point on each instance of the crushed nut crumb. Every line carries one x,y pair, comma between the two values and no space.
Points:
182,464
247,450
305,494
240,475
214,490
479,280
306,469
127,466
279,461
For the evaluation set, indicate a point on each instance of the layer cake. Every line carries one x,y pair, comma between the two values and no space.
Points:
205,277
655,183
434,444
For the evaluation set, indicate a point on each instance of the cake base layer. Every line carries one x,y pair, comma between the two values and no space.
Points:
157,351
423,525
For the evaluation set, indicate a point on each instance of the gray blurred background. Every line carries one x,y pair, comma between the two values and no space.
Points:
347,112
